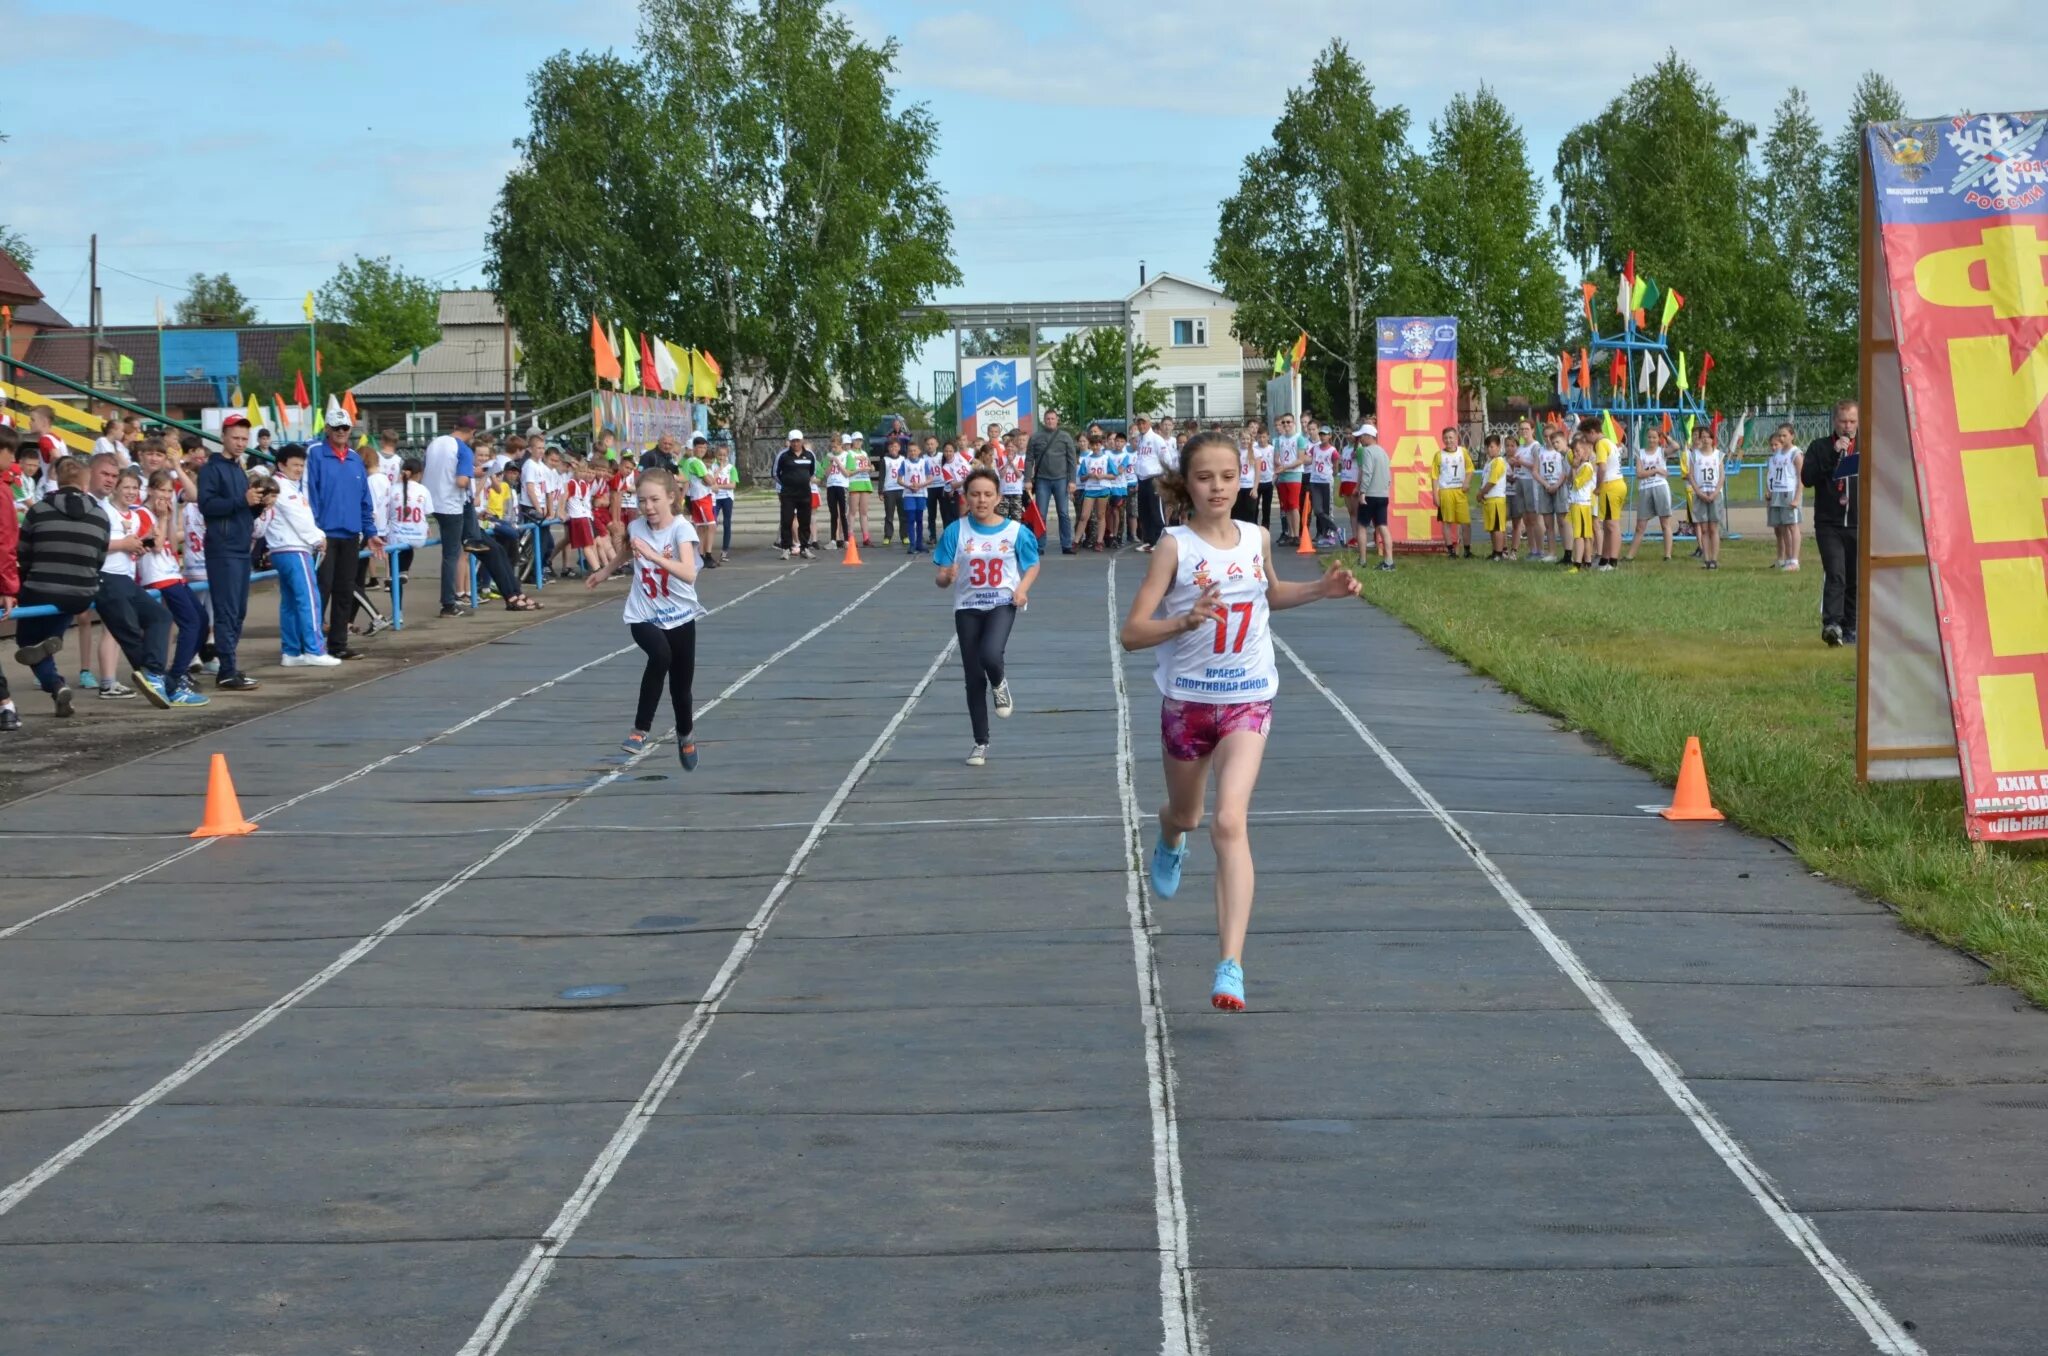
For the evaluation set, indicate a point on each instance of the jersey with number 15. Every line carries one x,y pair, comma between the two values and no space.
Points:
658,596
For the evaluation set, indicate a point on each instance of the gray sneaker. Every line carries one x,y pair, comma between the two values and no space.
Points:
1003,700
979,756
113,689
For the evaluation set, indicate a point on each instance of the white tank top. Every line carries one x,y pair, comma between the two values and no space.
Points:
987,570
1230,660
658,596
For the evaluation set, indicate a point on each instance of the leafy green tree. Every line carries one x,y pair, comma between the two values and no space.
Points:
214,300
1835,351
1664,171
1487,256
744,184
372,314
1086,380
1791,205
1321,235
996,341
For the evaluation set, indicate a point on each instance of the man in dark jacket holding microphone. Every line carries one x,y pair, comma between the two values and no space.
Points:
1832,466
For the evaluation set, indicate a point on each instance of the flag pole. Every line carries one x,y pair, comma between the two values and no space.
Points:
162,401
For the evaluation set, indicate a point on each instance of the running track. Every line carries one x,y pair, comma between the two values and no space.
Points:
490,1041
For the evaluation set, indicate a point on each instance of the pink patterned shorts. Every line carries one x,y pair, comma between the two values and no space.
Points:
1192,730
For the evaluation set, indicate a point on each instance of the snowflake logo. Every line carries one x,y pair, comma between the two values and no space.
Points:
1418,338
996,377
2002,160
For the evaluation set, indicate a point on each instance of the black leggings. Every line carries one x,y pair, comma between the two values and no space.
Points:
1266,503
671,660
835,499
983,636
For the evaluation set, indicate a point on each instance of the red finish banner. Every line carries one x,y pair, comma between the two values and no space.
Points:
1418,400
1968,272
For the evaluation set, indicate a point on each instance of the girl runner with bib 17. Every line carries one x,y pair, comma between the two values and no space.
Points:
661,608
989,562
1205,604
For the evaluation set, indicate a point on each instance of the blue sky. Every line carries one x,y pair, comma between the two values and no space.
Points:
276,140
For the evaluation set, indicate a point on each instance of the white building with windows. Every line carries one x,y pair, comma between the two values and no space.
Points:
1201,362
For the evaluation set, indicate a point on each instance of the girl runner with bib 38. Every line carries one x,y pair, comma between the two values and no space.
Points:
661,608
989,562
1205,604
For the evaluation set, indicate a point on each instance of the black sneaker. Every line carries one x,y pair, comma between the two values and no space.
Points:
10,720
346,653
1831,635
236,682
453,612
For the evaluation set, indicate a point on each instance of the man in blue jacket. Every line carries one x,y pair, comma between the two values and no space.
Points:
338,487
230,508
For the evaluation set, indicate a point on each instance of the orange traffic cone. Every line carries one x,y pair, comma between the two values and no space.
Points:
223,808
1692,800
1304,547
852,552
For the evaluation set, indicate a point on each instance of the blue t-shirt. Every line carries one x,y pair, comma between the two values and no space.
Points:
949,542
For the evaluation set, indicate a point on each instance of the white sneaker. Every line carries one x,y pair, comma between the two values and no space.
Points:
1003,701
1792,565
979,756
292,661
319,661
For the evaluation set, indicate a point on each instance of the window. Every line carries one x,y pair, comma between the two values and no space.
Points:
421,426
1192,333
1191,402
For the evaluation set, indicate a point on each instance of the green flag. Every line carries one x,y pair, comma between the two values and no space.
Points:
127,366
629,355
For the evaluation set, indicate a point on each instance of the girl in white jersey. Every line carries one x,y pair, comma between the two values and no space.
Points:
989,561
1205,604
661,608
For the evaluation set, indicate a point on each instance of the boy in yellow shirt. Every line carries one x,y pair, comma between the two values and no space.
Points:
1451,468
1493,498
1584,476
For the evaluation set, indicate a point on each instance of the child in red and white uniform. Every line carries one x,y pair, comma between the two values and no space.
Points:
1204,605
162,571
581,518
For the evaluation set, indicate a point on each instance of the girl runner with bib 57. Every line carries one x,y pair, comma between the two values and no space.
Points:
1205,606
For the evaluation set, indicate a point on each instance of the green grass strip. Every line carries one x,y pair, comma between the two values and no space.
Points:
1644,656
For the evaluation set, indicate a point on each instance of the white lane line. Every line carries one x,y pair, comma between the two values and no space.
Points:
20,1190
1884,1331
202,844
525,1286
1179,1312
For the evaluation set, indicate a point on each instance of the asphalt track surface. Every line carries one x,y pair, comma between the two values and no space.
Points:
491,1040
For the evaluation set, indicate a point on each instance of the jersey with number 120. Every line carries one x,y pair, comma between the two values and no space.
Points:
1230,659
658,596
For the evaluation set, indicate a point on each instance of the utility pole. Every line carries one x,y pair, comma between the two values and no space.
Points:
92,366
506,321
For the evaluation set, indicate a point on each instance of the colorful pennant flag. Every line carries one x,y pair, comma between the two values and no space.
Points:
1672,301
1586,291
1688,428
1300,348
127,366
1683,384
665,364
254,412
1607,428
299,396
309,308
1714,429
650,373
1585,372
705,375
1706,366
1617,371
603,356
277,408
1564,373
1667,424
630,357
348,406
1649,372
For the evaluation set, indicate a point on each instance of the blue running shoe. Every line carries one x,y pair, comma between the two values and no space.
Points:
153,689
689,756
1166,866
634,742
189,696
1227,993
87,681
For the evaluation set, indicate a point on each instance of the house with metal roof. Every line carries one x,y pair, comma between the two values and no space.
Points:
472,367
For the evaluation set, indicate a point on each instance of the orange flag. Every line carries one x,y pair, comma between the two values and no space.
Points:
1300,349
1585,371
1586,291
348,403
605,358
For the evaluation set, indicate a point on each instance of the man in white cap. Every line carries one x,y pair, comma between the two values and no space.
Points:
795,467
1375,491
338,488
